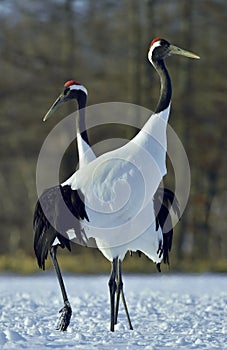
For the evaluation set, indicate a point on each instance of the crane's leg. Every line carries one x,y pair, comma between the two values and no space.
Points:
119,291
66,311
119,285
112,288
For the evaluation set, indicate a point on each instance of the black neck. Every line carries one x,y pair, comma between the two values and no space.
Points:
81,125
166,88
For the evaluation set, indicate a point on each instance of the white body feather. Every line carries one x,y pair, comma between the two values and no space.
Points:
118,189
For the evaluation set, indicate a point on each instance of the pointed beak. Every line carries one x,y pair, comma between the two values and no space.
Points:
174,50
54,106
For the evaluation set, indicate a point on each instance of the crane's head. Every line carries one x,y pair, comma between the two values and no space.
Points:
72,90
161,48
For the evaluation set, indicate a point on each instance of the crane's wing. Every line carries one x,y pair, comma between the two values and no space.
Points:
58,210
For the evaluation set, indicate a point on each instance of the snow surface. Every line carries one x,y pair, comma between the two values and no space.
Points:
167,312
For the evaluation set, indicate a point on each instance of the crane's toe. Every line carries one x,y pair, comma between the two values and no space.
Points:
64,319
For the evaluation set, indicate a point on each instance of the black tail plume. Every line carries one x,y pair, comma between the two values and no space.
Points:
164,200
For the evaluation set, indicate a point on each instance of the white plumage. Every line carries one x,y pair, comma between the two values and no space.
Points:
118,189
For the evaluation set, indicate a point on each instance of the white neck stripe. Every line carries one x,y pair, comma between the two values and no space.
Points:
156,44
78,87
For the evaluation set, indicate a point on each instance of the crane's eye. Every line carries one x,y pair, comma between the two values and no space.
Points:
164,43
66,91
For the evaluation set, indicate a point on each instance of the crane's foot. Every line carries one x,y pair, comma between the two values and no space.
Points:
64,319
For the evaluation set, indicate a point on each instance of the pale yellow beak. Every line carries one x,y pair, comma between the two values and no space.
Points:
54,106
174,50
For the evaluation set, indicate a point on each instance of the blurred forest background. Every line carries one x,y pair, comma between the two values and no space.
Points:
103,45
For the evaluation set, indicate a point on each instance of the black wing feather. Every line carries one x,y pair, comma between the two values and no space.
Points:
58,219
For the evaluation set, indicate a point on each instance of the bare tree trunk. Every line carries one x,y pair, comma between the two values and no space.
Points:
185,112
134,40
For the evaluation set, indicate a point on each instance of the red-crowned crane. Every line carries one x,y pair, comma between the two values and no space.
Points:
96,194
48,235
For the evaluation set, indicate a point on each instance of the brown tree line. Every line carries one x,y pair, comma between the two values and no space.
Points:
103,45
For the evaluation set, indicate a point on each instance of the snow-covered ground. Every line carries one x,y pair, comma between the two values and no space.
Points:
167,312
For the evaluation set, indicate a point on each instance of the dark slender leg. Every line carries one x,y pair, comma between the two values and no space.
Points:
119,292
122,293
112,288
66,311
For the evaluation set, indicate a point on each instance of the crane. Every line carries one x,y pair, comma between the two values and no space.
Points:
47,238
96,193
